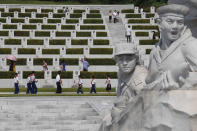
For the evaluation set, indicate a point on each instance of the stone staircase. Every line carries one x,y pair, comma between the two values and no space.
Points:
49,114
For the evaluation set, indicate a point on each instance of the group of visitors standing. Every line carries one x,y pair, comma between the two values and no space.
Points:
114,15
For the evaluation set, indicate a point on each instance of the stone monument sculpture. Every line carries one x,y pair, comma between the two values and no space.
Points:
168,100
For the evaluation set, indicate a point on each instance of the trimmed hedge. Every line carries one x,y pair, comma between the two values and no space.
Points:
127,11
54,20
26,51
57,42
79,42
2,20
7,74
8,26
12,42
141,34
40,15
64,74
4,33
69,21
39,61
147,9
21,33
24,15
17,20
75,15
93,21
148,51
78,11
98,75
35,20
35,42
5,50
42,33
94,11
30,10
38,74
101,51
101,34
74,51
101,42
92,27
93,15
14,9
133,16
139,21
68,27
2,9
63,34
29,27
101,61
83,34
148,42
58,15
49,27
144,27
19,62
150,15
46,10
50,51
60,11
4,14
69,61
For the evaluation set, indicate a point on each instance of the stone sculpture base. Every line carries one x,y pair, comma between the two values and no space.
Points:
160,110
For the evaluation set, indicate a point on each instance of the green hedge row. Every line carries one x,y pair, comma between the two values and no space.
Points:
63,34
21,33
69,61
4,14
35,42
14,9
29,27
101,51
6,75
2,20
138,21
148,42
19,62
58,15
83,34
4,33
42,33
147,9
101,61
127,11
98,75
74,51
17,20
39,61
94,11
60,11
148,51
64,75
101,42
133,16
5,51
40,15
12,42
93,21
101,34
26,51
30,10
2,9
49,27
46,10
69,21
50,51
93,15
8,26
92,27
54,20
24,15
57,42
79,42
75,15
78,11
141,34
35,20
68,27
38,74
150,15
144,27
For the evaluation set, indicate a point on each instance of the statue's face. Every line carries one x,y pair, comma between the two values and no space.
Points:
171,26
126,63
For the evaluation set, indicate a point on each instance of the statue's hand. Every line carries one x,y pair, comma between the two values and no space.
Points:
186,83
167,81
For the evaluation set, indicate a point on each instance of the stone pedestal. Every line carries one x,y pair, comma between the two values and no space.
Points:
62,51
1,42
15,14
30,63
24,42
14,51
136,10
26,20
56,64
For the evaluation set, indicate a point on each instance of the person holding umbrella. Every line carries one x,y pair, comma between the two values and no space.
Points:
12,59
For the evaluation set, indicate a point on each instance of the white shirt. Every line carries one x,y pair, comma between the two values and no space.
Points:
16,79
28,79
80,82
128,31
108,81
32,78
58,78
93,81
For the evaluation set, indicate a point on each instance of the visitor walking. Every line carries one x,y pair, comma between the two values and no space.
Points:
110,16
108,84
93,87
34,81
80,85
29,85
128,34
58,82
16,83
114,16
